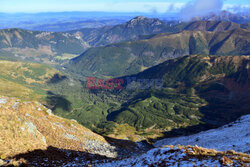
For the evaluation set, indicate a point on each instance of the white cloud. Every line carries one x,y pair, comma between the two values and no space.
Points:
237,8
200,8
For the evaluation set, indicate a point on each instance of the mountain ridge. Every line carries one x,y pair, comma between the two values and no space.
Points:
130,30
131,57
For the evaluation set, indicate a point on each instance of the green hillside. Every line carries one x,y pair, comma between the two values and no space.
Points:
197,89
202,91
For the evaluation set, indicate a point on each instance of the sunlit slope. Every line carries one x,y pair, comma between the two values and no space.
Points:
24,80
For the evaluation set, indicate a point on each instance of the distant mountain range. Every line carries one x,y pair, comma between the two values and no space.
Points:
70,26
214,26
56,47
132,57
130,30
51,21
66,21
239,18
142,27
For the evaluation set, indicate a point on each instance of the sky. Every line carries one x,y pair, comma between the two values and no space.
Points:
147,6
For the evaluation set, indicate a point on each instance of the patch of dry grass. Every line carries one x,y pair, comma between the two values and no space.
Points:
227,158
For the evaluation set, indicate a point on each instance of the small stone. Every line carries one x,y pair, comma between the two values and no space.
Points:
15,106
31,127
3,101
27,115
44,140
49,111
1,162
71,137
226,161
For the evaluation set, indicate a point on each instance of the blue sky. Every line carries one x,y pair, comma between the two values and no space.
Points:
160,6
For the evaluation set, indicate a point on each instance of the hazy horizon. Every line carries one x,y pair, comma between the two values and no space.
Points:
34,15
120,6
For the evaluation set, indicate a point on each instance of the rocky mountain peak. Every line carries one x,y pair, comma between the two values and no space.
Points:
142,20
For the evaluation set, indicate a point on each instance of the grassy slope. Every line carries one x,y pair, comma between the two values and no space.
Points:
24,80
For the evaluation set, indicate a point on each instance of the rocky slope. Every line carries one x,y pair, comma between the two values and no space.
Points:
29,126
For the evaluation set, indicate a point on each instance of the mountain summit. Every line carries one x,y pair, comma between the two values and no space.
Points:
130,30
142,21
